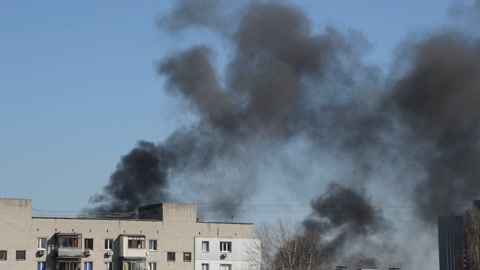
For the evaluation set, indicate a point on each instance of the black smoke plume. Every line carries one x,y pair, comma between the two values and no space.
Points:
351,219
294,106
439,98
269,95
141,177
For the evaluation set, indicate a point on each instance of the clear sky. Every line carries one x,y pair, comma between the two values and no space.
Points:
78,86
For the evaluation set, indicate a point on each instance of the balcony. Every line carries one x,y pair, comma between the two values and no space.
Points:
65,252
132,246
68,245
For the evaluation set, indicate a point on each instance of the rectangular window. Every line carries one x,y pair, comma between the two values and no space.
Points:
64,265
41,265
21,255
136,242
226,246
204,266
170,256
3,255
187,256
88,244
42,243
109,244
88,266
152,266
225,267
205,246
152,244
134,265
67,241
108,266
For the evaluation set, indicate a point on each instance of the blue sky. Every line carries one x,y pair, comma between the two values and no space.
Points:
78,87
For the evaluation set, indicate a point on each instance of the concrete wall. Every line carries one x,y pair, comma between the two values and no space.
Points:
15,231
244,254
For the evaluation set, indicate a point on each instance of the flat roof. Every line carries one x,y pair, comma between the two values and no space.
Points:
218,222
145,207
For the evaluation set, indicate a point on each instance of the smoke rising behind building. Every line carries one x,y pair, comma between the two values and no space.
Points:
290,98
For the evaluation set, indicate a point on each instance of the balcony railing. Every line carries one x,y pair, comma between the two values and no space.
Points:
69,252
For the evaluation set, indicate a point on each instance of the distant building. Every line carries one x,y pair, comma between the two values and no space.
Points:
472,235
451,242
458,236
165,236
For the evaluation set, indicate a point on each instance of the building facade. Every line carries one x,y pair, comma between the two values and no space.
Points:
451,242
165,236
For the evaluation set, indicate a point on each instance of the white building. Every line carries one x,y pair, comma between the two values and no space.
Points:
224,253
165,236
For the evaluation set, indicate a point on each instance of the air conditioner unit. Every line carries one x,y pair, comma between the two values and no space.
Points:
110,252
41,252
88,252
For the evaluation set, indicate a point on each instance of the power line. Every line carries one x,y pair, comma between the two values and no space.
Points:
339,209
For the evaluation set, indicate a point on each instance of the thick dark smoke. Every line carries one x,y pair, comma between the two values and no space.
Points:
346,214
141,178
439,98
192,74
412,137
271,92
343,206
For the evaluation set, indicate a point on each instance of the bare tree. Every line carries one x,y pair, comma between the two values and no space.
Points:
472,235
287,246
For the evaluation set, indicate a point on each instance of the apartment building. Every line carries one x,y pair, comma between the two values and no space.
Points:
451,242
458,239
165,236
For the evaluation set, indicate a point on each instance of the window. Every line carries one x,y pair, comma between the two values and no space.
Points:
132,265
187,256
204,266
66,265
3,255
152,244
42,243
226,246
170,256
152,266
68,241
88,266
88,244
41,265
109,244
205,246
108,266
136,242
21,255
225,267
